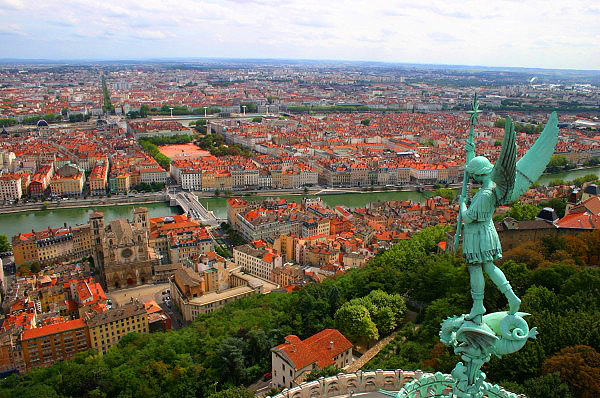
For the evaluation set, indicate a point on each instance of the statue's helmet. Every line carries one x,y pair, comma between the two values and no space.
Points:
479,165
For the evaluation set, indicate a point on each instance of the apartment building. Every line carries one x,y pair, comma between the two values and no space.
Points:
10,187
46,345
99,179
108,327
177,238
52,245
257,259
68,180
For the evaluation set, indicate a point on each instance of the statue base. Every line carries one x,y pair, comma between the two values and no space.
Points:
498,334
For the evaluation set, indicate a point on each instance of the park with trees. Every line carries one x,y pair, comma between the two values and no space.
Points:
230,347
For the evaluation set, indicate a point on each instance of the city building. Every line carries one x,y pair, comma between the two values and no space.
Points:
46,345
122,250
293,360
67,180
52,245
10,187
257,259
190,288
108,327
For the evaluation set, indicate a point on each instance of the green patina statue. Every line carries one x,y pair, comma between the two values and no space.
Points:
500,184
475,337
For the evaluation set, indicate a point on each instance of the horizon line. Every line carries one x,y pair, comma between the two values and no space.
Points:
14,60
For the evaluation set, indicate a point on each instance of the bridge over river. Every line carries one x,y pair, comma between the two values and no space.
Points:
193,208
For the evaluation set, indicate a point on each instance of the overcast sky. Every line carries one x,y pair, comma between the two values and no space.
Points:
526,33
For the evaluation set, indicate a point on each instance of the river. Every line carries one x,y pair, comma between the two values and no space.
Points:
15,223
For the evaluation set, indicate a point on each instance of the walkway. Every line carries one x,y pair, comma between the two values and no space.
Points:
370,354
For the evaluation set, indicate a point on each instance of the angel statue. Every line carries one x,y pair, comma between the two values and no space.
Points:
500,184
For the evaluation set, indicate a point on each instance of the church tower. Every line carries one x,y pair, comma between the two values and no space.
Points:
97,227
140,218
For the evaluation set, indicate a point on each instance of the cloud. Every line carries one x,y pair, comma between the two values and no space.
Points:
11,30
147,34
443,37
538,32
313,23
12,4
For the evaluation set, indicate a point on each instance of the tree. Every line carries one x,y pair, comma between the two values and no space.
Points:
35,267
556,164
547,386
579,367
539,298
523,212
448,194
365,122
230,359
558,204
552,277
325,372
354,322
144,110
257,119
4,244
233,392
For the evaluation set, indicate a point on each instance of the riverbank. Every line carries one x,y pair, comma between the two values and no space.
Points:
84,203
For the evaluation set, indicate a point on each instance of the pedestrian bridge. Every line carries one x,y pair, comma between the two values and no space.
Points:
193,208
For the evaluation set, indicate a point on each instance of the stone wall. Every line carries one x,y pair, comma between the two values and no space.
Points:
346,383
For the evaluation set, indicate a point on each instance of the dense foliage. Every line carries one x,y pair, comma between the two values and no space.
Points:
365,319
558,284
6,122
558,163
151,187
230,346
215,144
577,181
4,244
522,127
176,139
107,107
31,120
153,151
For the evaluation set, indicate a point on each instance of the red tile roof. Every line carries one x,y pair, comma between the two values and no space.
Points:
317,349
53,329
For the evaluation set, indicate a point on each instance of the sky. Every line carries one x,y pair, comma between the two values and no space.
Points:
519,33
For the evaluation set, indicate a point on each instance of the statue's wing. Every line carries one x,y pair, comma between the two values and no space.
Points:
531,166
477,338
504,170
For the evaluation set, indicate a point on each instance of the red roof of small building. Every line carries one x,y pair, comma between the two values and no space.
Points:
319,349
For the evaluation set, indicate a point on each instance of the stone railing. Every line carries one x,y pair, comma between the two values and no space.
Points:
346,384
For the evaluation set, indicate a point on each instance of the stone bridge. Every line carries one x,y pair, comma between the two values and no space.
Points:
192,207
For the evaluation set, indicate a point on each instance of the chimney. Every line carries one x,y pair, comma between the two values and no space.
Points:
331,344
